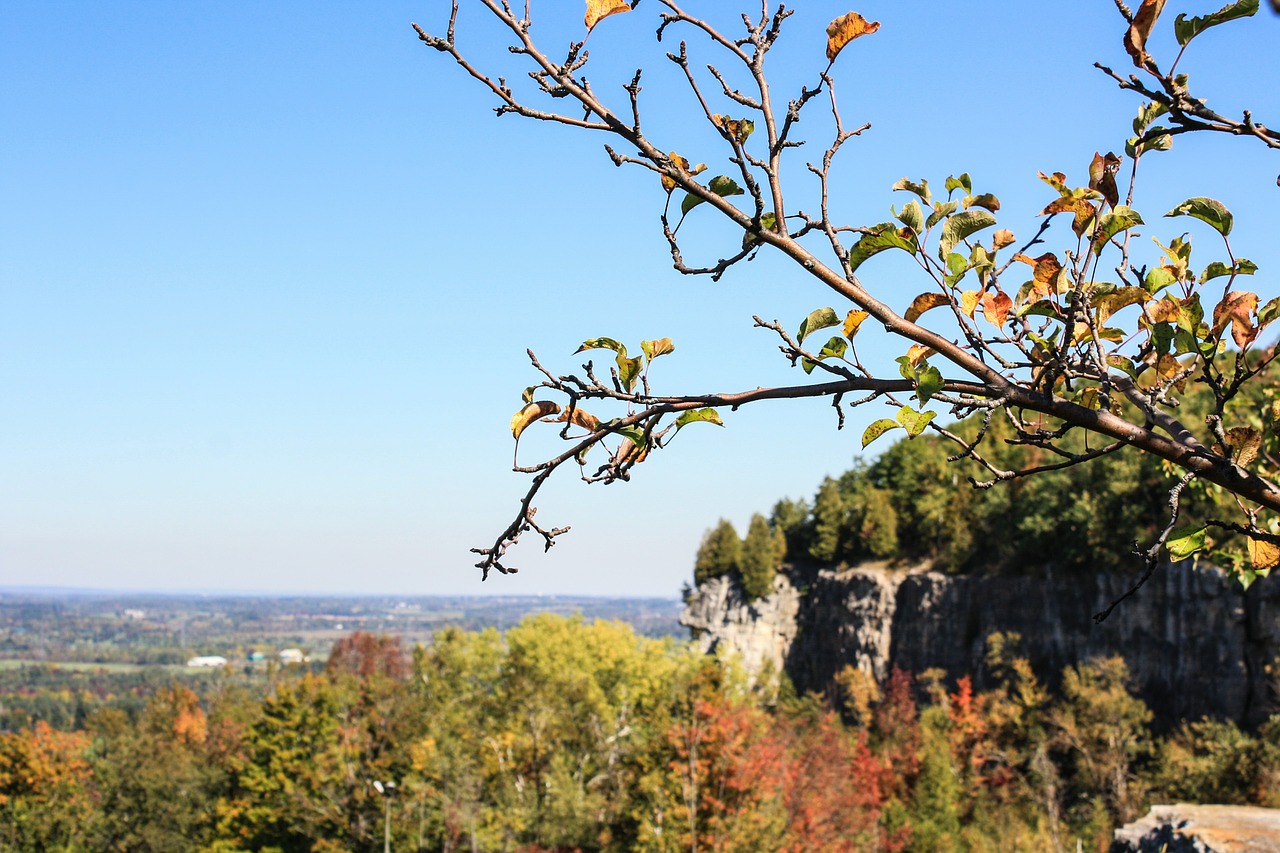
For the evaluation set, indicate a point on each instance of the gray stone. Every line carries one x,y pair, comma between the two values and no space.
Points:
1195,643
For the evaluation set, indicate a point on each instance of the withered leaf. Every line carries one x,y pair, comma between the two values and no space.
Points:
1265,556
586,420
1083,210
1135,38
845,29
669,183
1244,444
923,303
1237,308
735,128
1102,176
597,10
1003,237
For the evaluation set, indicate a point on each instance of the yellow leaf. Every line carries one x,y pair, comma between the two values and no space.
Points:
969,302
923,303
530,413
1264,555
600,9
853,321
845,29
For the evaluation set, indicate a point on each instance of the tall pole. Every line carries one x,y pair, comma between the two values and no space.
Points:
386,833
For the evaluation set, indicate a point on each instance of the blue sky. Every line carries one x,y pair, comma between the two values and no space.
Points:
268,272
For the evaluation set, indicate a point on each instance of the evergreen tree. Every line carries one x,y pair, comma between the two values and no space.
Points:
762,551
791,519
719,554
828,523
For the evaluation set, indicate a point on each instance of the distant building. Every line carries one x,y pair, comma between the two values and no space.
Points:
134,614
208,660
254,657
293,656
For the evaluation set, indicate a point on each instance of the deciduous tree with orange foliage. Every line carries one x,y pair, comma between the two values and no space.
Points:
1081,340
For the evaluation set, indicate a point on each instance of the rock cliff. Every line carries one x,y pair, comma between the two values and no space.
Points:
1196,644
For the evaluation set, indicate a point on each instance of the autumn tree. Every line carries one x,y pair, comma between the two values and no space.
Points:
1074,331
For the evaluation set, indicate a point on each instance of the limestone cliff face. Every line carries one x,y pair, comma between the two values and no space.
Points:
1195,643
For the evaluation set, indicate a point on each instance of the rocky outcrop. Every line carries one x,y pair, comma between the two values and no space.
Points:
1195,643
1201,829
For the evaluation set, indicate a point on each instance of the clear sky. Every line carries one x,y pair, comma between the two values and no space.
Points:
268,272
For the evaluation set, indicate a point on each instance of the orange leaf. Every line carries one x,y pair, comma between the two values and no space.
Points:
1046,273
599,9
669,183
1002,238
918,353
845,29
1237,308
1135,39
1162,311
923,303
1083,210
586,420
1102,176
996,307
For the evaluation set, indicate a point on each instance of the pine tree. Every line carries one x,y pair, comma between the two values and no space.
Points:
828,523
719,554
761,553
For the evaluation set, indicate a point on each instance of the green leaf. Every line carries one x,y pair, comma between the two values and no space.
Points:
921,189
634,434
1122,218
960,183
912,216
1185,541
1158,279
527,396
877,429
873,244
721,185
961,226
940,212
821,318
710,416
835,348
1267,313
1148,113
1206,210
1186,29
1244,266
768,221
928,382
653,349
601,343
1214,270
914,422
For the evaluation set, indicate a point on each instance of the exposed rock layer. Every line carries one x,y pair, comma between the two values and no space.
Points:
1201,829
1195,643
